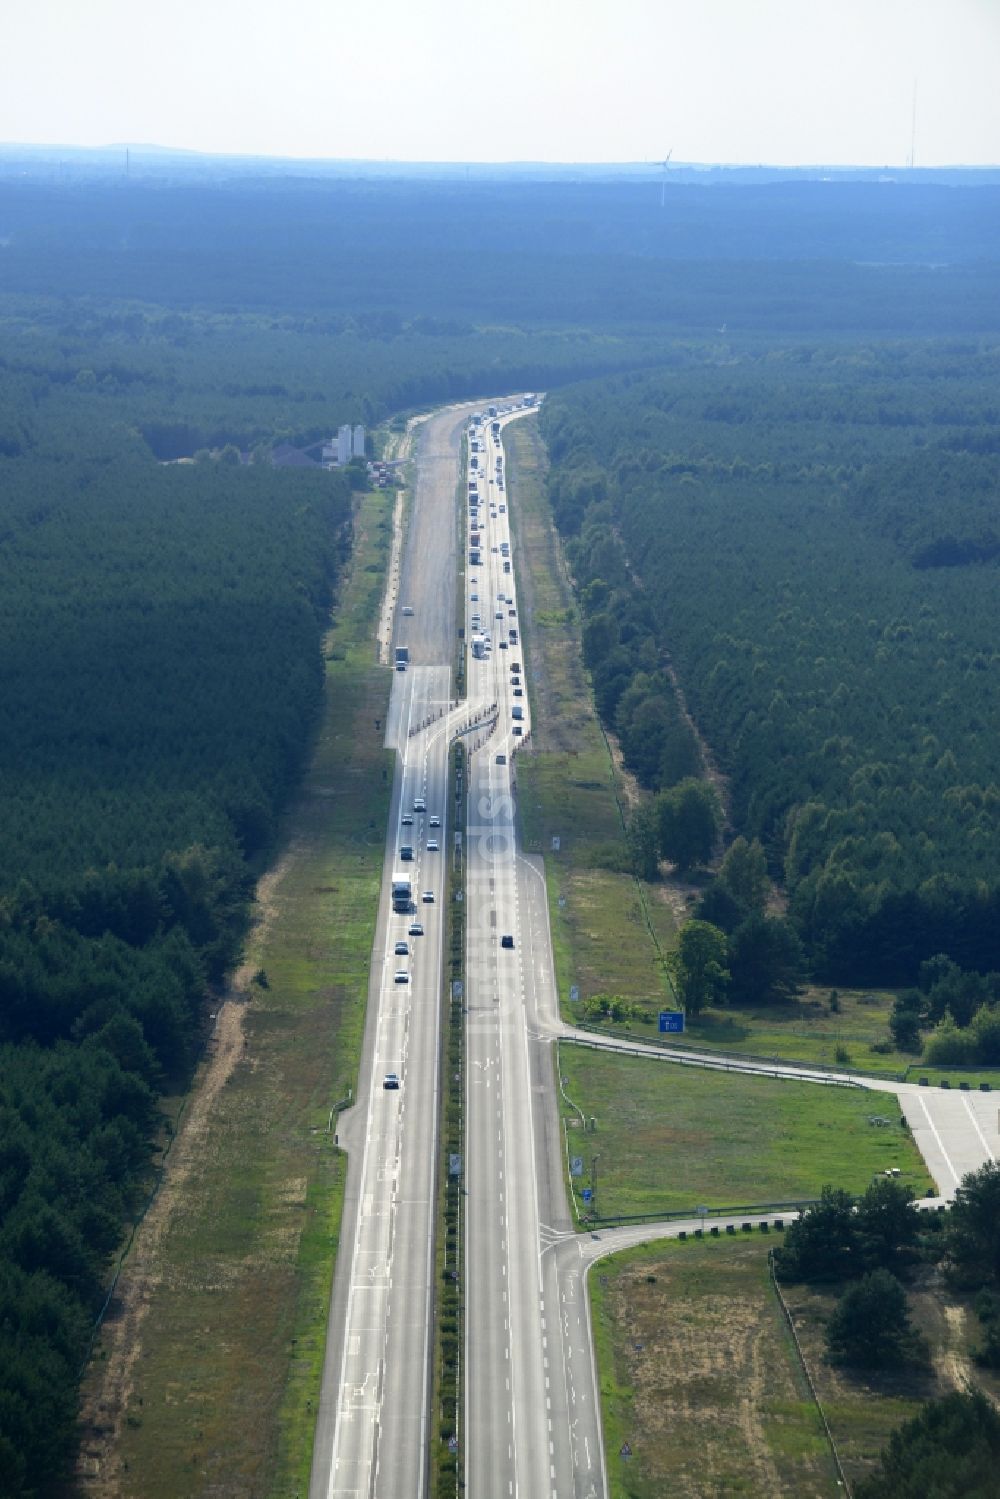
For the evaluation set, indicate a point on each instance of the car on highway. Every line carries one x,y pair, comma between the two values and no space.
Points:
407,609
415,929
407,820
511,613
503,509
503,645
435,822
419,805
501,759
432,845
391,1080
506,940
402,949
474,598
402,977
427,897
499,614
518,731
518,691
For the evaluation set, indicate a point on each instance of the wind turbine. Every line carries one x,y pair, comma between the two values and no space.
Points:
663,187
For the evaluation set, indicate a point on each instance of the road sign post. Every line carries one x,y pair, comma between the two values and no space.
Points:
671,1022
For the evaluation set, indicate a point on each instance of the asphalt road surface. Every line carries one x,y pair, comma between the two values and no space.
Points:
532,1421
372,1425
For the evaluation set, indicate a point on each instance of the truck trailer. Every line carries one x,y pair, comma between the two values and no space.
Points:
402,657
402,892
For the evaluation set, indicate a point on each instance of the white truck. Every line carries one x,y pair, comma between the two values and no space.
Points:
402,893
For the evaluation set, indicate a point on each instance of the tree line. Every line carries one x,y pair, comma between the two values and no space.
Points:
746,529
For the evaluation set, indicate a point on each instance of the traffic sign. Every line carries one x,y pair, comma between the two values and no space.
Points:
454,1164
576,1165
587,1194
574,993
625,1450
556,841
671,1022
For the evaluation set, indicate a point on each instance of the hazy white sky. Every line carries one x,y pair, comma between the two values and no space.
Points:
779,81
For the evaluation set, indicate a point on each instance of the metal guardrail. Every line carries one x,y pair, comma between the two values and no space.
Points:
706,1055
714,1061
751,1209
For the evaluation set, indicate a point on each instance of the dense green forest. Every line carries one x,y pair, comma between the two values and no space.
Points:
160,665
187,380
767,258
809,531
813,539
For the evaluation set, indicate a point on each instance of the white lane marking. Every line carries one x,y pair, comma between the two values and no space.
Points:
975,1126
940,1142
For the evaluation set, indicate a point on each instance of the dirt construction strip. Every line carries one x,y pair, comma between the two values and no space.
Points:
108,1390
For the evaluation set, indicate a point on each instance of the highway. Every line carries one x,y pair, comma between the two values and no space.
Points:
372,1432
531,1413
532,1425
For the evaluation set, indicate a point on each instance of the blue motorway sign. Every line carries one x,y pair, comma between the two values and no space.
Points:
671,1022
587,1193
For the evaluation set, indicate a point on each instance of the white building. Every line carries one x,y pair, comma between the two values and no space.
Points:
359,441
344,445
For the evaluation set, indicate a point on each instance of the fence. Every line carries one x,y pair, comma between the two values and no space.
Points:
808,1377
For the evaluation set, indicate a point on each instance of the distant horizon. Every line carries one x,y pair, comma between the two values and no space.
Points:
636,163
794,83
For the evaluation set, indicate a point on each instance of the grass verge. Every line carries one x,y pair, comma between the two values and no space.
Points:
841,1029
668,1138
224,1393
608,929
699,1379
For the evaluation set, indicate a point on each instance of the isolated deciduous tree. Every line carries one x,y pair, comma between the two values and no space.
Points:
870,1326
689,818
700,971
951,1450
